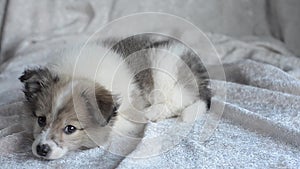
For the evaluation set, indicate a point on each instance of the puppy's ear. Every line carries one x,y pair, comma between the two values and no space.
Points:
101,105
35,80
108,104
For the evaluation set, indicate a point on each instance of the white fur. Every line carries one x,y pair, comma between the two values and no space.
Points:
101,65
59,100
109,69
169,98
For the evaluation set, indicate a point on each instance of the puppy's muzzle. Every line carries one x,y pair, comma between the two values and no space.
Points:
43,149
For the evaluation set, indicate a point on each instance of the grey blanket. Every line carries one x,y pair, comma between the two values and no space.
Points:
259,126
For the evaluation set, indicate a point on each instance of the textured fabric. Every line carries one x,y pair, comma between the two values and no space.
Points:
260,125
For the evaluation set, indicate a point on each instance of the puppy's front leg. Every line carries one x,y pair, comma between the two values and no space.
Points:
158,112
127,132
193,111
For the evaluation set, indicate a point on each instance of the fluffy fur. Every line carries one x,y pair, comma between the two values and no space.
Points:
106,92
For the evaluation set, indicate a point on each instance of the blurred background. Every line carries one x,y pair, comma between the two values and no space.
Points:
21,20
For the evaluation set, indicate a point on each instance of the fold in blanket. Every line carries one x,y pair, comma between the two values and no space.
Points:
260,126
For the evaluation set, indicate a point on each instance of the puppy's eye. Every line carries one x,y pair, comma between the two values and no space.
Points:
69,129
42,121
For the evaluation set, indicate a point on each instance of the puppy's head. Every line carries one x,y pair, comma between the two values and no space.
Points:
66,112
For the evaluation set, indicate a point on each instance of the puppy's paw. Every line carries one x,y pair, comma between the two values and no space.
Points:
157,112
193,111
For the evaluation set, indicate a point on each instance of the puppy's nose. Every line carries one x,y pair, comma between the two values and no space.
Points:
43,149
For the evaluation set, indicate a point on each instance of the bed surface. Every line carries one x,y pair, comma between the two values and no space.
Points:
260,124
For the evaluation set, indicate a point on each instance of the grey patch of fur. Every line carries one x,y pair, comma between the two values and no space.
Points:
132,49
38,87
195,65
140,61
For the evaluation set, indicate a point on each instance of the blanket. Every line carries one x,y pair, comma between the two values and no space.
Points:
259,126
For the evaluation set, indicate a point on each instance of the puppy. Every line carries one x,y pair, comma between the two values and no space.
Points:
112,89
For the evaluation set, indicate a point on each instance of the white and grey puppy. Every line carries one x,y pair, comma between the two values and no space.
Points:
79,102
